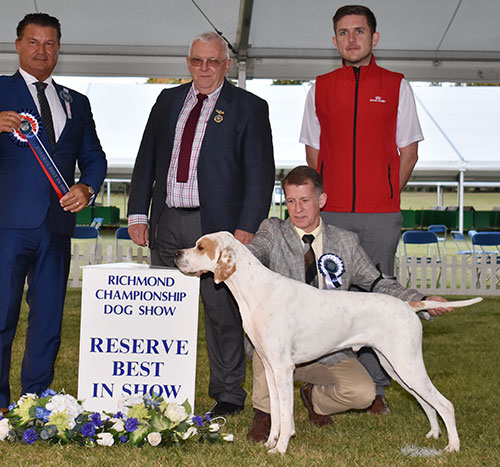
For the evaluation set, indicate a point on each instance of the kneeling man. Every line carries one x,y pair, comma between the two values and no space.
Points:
337,382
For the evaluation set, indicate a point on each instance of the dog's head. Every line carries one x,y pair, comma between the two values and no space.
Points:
212,253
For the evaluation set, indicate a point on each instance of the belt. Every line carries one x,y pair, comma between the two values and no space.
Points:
187,209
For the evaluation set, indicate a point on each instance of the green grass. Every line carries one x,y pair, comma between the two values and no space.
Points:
461,352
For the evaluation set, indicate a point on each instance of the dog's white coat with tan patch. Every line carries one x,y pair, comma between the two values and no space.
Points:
290,322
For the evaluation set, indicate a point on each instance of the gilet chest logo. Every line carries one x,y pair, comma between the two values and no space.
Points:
378,99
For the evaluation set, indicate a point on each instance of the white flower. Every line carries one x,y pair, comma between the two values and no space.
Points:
125,402
176,413
118,424
154,438
4,428
228,437
105,439
214,427
62,402
65,402
190,432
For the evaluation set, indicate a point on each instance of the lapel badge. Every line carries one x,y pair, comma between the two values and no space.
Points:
219,117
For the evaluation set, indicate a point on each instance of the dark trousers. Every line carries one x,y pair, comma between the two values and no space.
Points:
180,228
43,258
379,235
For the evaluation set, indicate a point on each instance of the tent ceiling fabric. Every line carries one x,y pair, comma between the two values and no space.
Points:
445,40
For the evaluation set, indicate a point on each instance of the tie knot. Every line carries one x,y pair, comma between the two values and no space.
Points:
201,97
308,238
40,86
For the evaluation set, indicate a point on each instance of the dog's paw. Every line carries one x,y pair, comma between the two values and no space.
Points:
434,433
276,450
271,443
452,447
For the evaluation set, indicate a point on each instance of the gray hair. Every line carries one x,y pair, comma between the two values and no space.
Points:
212,36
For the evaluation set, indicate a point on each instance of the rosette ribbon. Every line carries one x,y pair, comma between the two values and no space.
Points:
332,267
28,135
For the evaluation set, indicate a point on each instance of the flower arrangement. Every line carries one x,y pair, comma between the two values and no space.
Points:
60,418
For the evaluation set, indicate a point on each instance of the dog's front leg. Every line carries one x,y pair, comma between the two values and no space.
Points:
284,385
274,403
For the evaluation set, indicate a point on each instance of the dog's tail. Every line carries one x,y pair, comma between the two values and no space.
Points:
430,304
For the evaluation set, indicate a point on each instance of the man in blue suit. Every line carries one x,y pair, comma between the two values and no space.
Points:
35,225
226,184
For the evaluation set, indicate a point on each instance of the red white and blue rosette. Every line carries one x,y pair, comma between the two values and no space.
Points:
332,267
27,135
28,118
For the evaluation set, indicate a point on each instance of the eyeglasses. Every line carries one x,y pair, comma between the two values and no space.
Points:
211,62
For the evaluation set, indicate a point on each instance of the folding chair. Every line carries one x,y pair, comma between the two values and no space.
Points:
122,234
460,240
491,240
97,222
439,229
422,237
88,232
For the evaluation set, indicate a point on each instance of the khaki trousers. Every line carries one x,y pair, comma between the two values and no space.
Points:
343,386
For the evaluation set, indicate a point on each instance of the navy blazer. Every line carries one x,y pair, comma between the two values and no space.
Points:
235,168
25,191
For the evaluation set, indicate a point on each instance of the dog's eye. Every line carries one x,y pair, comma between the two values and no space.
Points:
200,248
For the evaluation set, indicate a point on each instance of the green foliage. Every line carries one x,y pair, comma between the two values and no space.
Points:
461,354
281,82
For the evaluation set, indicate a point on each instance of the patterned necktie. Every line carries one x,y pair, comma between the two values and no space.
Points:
187,140
310,261
45,111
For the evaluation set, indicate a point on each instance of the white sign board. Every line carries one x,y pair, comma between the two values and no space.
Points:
138,334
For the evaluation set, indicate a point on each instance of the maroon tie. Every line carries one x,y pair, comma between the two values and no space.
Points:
187,140
310,261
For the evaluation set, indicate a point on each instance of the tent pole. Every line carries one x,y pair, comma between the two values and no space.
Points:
461,200
242,74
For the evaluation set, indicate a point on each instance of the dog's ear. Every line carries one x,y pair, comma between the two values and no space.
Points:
225,265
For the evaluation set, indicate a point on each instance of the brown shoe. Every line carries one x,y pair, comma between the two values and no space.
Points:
379,407
317,419
260,428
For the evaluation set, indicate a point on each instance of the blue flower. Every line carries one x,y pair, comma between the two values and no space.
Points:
124,439
131,424
96,419
12,406
88,429
198,419
48,392
42,414
208,417
118,415
30,436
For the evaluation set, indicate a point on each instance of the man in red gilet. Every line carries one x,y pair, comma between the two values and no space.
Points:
361,132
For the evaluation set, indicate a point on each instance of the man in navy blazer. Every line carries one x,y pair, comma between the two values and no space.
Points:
35,225
228,187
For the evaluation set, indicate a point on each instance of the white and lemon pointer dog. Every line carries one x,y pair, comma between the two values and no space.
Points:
290,322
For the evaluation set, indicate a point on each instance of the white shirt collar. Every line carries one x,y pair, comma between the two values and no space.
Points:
30,79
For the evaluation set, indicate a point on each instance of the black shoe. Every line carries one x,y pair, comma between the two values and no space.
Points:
225,408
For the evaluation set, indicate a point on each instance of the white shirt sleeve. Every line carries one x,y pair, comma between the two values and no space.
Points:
311,129
408,126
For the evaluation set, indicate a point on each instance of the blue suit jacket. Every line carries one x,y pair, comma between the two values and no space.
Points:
25,191
235,167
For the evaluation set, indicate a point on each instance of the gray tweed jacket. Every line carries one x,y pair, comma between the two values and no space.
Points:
278,247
